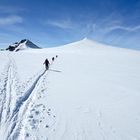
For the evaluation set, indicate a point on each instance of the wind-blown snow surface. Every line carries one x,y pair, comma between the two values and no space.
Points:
90,92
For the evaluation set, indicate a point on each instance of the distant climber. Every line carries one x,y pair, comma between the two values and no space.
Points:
56,56
52,58
47,63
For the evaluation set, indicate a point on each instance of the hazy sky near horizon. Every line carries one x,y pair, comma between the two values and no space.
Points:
55,22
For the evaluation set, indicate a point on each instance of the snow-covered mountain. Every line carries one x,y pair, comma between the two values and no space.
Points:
90,92
22,45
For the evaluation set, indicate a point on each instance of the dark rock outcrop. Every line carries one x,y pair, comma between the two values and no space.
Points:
23,44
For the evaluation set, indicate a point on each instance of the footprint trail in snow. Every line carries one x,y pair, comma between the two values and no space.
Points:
14,107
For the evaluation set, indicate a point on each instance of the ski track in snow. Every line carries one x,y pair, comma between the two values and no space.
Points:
3,92
12,117
22,106
8,86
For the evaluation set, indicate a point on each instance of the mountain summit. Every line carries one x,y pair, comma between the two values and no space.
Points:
91,91
23,44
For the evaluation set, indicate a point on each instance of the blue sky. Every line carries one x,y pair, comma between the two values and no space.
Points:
55,22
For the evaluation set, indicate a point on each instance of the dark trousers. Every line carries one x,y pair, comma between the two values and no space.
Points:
47,67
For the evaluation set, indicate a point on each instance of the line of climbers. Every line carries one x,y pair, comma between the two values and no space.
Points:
47,63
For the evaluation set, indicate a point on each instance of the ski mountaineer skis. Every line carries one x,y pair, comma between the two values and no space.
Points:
47,63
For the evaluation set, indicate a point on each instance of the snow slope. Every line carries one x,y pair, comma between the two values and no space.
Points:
90,92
